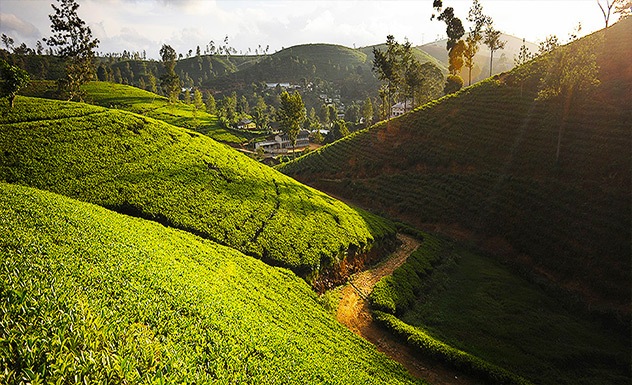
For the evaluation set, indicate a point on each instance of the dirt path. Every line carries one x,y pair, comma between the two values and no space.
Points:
353,312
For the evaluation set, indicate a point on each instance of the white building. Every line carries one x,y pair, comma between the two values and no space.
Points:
281,143
401,108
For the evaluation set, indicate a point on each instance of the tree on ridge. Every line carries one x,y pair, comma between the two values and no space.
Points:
74,43
14,79
291,115
493,42
455,46
475,35
169,82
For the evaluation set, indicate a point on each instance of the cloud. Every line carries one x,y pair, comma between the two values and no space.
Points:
14,25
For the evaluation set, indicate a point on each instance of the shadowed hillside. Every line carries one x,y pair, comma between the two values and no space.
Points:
147,168
481,165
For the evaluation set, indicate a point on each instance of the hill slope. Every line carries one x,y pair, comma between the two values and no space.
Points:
482,164
147,168
88,295
146,103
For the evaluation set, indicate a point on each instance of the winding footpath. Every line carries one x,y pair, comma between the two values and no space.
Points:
353,312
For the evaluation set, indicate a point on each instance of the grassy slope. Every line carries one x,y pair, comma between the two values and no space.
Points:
146,103
484,159
90,295
459,297
148,168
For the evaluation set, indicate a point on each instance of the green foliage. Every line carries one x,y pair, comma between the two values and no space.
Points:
471,303
73,41
338,131
493,42
13,79
169,81
570,70
485,158
453,83
291,114
436,349
91,296
151,105
396,293
147,168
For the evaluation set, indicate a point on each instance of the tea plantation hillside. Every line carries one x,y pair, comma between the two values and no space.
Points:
482,163
92,296
147,168
459,306
146,103
129,98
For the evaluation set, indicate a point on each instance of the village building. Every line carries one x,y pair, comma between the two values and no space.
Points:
401,108
281,144
246,124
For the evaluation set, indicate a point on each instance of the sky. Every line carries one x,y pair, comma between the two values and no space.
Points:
145,25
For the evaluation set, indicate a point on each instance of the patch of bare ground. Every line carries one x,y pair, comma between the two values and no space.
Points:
353,312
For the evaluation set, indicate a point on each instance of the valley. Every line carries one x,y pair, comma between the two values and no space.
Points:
398,226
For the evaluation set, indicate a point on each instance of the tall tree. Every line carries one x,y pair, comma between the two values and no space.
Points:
367,112
291,115
211,105
606,8
455,46
169,82
338,131
324,115
14,78
386,65
7,41
228,109
571,71
549,44
493,42
197,100
472,42
413,79
260,113
523,55
332,112
72,40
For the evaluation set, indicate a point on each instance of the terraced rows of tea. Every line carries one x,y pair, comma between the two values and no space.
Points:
147,168
485,160
92,296
146,103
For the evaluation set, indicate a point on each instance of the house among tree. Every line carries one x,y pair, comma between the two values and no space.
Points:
246,124
281,144
401,108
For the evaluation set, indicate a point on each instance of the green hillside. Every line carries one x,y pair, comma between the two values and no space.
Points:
147,168
326,61
146,103
91,296
481,164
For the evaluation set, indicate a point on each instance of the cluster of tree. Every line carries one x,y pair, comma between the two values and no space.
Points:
404,77
13,79
461,52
